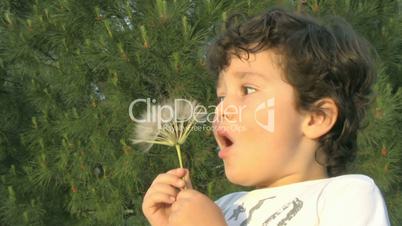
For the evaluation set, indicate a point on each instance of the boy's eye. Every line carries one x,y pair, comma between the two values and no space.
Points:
248,90
245,89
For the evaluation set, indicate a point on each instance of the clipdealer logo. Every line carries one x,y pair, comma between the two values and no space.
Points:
162,113
267,106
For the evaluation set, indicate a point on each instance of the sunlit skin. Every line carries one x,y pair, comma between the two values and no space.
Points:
258,157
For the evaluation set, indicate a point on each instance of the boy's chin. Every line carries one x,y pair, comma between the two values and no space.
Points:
241,179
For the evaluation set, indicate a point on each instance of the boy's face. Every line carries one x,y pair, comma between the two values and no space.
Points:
258,116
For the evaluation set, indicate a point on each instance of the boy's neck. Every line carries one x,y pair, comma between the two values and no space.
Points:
314,173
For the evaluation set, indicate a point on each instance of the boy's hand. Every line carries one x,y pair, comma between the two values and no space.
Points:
160,196
194,208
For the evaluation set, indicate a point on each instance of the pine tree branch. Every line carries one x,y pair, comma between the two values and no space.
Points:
3,91
49,56
7,80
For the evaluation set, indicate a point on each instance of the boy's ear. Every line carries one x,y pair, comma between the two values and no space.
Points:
317,123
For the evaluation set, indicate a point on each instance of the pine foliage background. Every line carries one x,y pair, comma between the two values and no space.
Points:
69,70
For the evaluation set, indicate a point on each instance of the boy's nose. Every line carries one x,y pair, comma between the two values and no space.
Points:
226,113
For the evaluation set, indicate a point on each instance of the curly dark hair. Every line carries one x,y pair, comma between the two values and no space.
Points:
319,60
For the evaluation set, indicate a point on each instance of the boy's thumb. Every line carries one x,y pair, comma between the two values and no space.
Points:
187,179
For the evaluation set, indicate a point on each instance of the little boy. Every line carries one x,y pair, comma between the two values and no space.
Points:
300,90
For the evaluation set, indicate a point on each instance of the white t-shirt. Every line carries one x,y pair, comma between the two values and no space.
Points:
347,200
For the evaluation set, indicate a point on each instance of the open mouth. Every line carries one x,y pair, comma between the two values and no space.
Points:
224,140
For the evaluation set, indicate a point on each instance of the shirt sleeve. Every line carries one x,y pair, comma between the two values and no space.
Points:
353,201
227,201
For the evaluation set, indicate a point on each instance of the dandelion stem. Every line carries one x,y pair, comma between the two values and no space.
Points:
179,155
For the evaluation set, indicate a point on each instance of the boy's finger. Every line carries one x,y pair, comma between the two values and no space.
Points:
159,197
166,178
165,188
180,172
184,174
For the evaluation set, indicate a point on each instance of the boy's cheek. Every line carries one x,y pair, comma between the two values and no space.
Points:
262,120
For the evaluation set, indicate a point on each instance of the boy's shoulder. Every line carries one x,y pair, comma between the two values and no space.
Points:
348,196
351,181
359,178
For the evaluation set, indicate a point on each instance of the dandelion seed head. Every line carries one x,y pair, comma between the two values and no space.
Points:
170,126
144,131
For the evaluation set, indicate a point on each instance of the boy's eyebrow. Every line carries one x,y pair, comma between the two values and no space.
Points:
241,75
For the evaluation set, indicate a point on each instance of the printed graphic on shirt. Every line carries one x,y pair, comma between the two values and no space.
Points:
243,215
297,206
254,208
237,212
